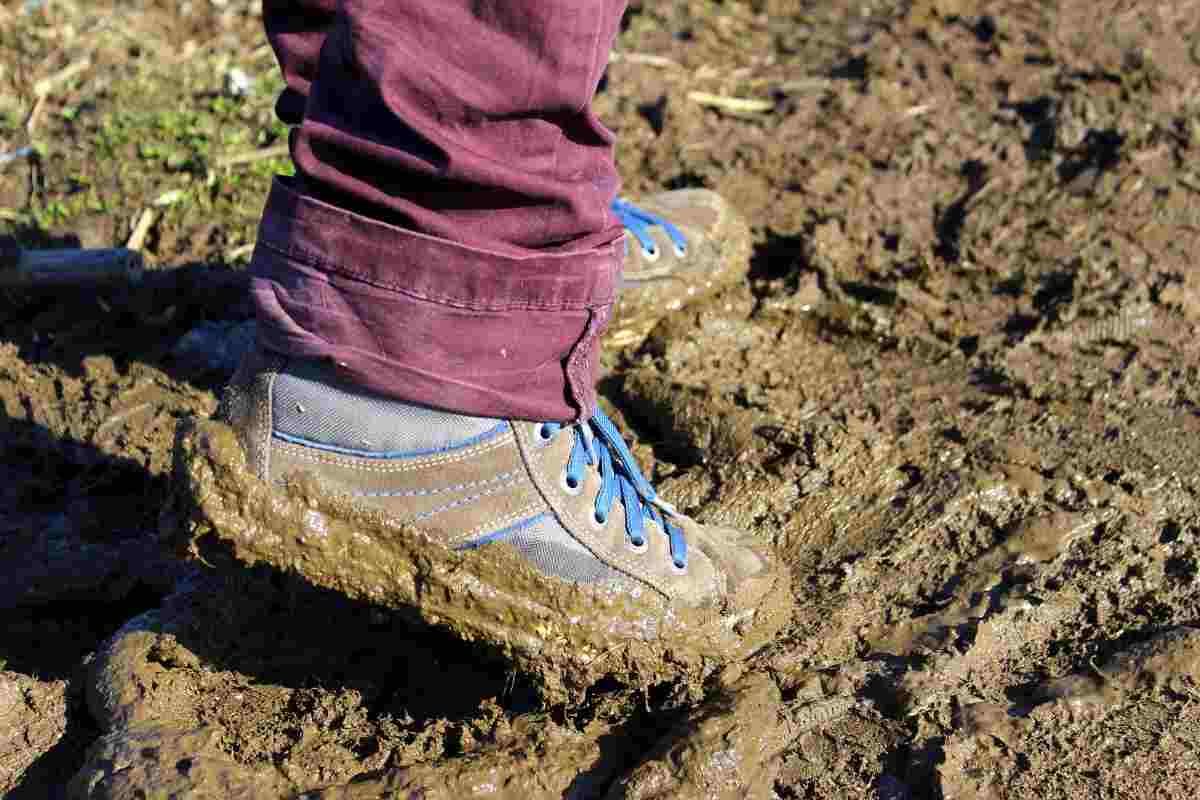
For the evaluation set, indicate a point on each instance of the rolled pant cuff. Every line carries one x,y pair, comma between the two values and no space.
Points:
430,321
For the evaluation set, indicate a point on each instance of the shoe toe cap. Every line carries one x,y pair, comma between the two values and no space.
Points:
746,562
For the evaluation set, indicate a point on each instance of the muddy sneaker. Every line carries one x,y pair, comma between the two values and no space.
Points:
544,538
682,245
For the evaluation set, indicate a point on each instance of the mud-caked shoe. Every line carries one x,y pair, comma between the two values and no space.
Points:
542,537
681,246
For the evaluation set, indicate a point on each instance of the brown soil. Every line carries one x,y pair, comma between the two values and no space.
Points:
958,394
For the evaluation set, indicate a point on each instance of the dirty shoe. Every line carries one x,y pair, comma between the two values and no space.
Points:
682,245
544,538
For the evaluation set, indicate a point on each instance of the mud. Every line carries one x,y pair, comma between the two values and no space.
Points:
568,636
958,393
33,718
218,686
723,750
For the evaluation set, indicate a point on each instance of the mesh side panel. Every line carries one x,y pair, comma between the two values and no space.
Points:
309,402
551,550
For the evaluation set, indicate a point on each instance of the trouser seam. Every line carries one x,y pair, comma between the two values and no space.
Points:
322,263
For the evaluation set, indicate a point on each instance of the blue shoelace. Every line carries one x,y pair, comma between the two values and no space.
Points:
598,443
639,222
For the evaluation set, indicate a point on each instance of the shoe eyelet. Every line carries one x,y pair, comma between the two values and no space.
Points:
637,548
678,570
681,252
564,483
544,436
651,254
597,522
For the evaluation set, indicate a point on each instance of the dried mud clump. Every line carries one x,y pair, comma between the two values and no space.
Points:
33,718
726,749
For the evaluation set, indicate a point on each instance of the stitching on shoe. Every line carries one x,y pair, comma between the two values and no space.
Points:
500,522
264,414
392,455
503,476
366,465
464,501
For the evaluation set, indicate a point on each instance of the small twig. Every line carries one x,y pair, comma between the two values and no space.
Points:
141,229
646,59
251,156
238,252
35,113
624,337
805,84
737,105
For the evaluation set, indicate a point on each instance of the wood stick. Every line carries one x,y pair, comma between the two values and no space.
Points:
240,251
645,59
71,267
251,156
741,105
35,113
141,229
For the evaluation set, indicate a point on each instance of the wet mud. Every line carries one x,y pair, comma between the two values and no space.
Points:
957,394
568,636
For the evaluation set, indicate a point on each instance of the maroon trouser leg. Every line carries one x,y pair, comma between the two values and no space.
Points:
447,239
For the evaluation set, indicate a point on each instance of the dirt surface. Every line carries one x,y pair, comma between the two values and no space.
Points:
33,718
958,393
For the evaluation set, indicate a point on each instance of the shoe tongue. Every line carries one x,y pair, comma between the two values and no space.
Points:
589,441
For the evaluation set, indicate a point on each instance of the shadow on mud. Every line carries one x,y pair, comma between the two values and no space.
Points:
140,322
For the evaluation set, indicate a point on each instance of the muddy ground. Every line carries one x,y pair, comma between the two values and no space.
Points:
958,392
